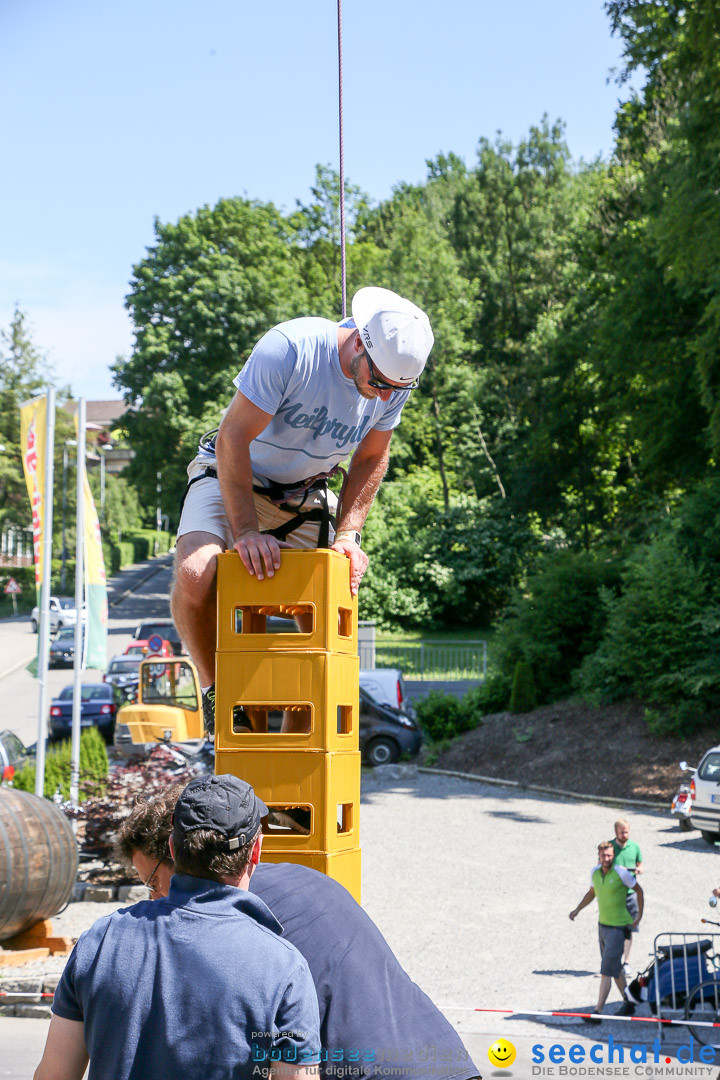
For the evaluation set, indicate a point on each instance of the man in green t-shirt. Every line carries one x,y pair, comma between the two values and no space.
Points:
627,854
610,884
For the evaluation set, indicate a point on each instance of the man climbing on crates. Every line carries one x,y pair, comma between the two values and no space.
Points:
311,393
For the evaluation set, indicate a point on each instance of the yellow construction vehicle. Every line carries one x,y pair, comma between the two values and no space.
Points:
169,703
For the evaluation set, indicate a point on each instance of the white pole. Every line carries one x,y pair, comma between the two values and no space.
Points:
79,596
44,628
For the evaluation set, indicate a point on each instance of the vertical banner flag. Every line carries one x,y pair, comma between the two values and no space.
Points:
33,418
95,586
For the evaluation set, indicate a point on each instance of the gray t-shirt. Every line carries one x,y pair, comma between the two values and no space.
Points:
318,416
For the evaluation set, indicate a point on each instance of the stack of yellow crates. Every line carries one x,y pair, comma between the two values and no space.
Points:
310,778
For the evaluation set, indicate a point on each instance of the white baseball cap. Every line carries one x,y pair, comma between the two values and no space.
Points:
395,332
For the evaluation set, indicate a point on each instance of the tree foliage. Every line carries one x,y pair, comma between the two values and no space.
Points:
561,449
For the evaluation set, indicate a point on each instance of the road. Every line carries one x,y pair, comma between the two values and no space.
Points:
472,885
18,644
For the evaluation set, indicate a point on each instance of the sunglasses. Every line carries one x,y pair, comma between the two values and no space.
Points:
380,384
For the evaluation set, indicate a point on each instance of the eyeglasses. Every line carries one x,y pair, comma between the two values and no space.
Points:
146,883
380,384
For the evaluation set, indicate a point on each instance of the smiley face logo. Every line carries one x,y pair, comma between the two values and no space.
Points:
501,1053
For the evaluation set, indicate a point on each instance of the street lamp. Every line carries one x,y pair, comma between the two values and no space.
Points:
68,442
158,511
101,452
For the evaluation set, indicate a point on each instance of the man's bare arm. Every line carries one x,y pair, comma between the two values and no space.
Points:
65,1056
587,899
641,903
242,423
367,468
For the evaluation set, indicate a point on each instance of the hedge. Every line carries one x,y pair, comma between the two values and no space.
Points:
93,767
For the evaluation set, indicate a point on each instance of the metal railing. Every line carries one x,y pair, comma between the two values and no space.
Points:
432,659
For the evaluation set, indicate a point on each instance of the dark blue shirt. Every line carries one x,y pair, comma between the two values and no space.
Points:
185,987
373,1017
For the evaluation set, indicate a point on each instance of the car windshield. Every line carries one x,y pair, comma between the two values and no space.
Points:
66,635
87,693
13,745
169,684
710,768
164,630
65,603
137,650
121,666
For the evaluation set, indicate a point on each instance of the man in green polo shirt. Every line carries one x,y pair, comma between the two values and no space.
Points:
627,854
610,884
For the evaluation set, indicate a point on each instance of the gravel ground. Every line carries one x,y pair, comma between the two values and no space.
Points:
472,885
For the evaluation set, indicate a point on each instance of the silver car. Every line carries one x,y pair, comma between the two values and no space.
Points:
705,793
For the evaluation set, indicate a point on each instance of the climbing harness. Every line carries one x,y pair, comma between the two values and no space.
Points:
281,494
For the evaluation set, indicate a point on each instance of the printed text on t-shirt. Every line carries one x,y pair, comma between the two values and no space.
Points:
319,423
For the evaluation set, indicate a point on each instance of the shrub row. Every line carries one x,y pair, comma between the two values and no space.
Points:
93,768
135,547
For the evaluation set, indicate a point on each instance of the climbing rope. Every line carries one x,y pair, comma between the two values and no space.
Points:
342,163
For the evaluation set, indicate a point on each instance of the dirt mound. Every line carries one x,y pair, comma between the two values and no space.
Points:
569,745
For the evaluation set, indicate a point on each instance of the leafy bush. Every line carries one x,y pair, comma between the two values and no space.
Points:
443,716
118,555
491,696
93,767
557,619
523,697
661,641
440,715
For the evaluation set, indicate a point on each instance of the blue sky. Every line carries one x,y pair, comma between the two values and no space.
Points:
113,114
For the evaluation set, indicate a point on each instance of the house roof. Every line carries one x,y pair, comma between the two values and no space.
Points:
101,413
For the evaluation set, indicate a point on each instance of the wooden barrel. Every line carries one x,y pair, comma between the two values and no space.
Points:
38,860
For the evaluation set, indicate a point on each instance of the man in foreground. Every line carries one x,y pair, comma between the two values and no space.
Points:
627,854
610,884
195,984
372,1016
312,393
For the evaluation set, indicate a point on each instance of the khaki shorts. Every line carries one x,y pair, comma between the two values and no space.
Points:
204,512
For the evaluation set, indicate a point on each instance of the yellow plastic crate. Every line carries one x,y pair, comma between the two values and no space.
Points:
324,685
342,866
327,783
313,583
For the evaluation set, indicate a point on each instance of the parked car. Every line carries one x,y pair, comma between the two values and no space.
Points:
386,731
13,755
122,672
386,686
98,707
705,794
62,648
62,613
141,649
164,628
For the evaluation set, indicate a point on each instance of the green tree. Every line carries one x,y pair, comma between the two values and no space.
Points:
208,289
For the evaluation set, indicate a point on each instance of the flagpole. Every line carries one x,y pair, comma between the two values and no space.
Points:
79,661
44,628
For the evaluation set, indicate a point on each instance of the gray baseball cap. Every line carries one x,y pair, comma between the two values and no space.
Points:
224,803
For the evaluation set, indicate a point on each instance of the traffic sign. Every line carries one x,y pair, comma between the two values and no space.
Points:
12,587
155,643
